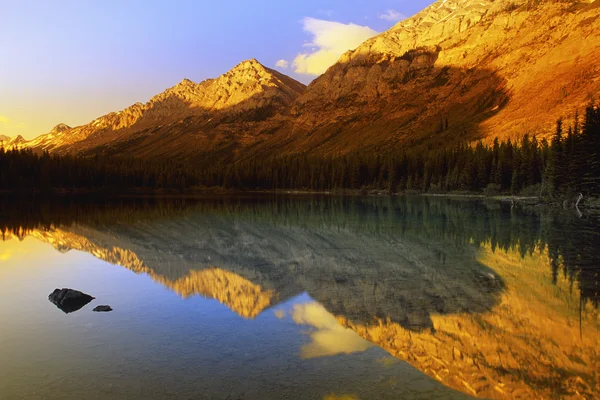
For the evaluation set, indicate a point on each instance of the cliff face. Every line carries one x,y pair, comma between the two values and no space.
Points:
481,68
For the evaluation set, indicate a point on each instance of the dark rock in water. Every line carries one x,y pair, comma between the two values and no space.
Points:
102,309
69,300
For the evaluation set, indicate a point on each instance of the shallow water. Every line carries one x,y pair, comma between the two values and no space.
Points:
299,298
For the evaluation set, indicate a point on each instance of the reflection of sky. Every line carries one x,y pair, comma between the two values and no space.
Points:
156,344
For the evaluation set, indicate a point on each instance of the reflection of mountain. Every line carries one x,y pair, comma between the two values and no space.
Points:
530,346
237,293
404,275
360,276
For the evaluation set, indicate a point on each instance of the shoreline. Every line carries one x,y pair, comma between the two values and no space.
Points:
588,203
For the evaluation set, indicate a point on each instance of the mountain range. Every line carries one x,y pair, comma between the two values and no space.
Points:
458,71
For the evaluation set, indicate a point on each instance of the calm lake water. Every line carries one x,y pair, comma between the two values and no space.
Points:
299,298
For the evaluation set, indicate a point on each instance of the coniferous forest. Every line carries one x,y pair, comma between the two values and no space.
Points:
568,163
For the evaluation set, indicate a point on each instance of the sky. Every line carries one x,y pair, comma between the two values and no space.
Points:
70,61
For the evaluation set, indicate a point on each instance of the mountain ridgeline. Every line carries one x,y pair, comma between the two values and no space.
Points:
567,165
457,72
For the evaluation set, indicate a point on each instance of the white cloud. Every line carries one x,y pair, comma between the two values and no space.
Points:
392,15
330,40
282,64
4,120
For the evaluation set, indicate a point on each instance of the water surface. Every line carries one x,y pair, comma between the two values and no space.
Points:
299,298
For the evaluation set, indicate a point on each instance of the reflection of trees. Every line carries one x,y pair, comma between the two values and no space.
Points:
572,243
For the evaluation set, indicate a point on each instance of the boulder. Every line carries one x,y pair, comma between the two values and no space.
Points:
102,309
69,300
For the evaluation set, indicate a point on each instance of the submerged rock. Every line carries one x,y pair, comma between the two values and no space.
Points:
102,309
69,300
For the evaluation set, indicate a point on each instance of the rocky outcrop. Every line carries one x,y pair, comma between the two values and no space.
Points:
69,300
103,308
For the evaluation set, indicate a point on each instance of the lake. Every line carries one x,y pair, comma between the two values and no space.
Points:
304,297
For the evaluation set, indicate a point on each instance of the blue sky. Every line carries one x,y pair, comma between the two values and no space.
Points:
72,61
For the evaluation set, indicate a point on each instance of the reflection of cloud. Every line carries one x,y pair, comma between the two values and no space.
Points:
392,15
330,337
282,64
330,40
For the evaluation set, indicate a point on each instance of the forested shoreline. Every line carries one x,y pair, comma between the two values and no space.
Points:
568,164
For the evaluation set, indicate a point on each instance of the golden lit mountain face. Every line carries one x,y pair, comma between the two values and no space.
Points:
17,142
490,68
243,97
459,70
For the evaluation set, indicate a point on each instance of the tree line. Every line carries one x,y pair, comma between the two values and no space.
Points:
568,163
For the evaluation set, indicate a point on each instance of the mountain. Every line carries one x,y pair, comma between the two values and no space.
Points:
460,70
188,118
11,143
49,141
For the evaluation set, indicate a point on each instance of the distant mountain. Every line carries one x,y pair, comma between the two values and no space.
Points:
186,118
460,70
58,134
17,142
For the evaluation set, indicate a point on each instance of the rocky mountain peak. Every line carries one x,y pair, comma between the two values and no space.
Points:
17,142
60,128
